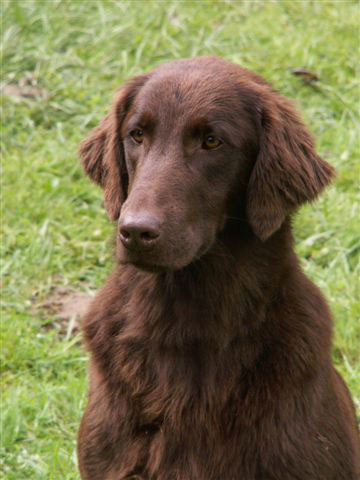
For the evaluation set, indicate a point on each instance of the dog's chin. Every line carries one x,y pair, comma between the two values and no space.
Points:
154,264
147,267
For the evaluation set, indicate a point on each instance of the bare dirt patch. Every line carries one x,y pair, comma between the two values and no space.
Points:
64,308
27,87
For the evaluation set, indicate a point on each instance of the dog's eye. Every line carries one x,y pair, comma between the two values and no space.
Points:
211,142
137,135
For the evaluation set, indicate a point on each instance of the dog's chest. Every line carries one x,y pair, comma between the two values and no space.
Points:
168,382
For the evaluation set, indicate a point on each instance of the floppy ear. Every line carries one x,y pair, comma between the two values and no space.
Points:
287,172
102,153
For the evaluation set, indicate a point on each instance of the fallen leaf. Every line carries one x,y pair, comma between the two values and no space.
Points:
306,75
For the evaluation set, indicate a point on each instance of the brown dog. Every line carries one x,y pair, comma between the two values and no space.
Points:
210,349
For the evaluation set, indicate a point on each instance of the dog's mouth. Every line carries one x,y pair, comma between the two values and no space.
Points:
151,264
150,261
146,266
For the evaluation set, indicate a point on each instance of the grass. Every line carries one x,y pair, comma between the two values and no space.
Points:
55,232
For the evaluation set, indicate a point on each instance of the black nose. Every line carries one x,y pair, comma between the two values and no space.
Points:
139,231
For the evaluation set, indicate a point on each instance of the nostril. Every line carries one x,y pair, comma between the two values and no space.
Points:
125,234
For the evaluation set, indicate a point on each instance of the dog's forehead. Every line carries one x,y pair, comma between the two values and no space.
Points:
188,92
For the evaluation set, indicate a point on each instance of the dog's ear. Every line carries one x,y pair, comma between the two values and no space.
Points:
102,153
287,171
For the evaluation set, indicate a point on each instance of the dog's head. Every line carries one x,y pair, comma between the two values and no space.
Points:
191,145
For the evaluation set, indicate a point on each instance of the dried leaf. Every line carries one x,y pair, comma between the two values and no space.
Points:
306,75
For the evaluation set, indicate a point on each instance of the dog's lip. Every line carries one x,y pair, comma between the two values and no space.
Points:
147,266
150,266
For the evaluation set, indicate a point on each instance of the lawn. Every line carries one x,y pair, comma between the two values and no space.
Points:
63,60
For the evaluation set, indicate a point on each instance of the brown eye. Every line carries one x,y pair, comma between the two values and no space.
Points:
137,135
211,142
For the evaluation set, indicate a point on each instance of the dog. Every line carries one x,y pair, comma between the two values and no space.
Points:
210,349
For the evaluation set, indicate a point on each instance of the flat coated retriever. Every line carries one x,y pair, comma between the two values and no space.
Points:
210,348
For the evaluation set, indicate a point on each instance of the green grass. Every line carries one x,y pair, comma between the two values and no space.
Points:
55,232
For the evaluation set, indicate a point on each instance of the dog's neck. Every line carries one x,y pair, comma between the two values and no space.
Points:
236,280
